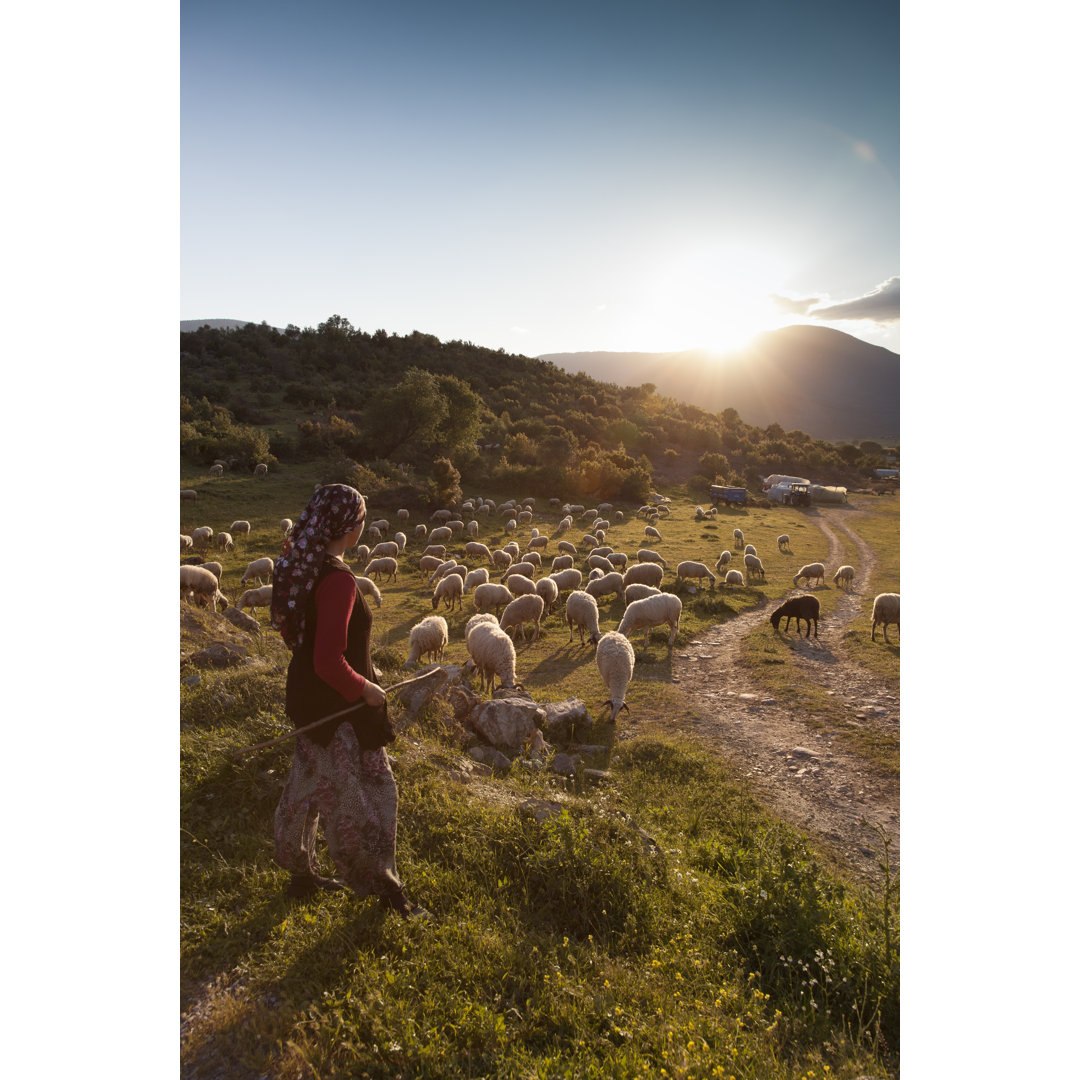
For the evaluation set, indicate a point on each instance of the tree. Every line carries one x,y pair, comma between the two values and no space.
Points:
445,482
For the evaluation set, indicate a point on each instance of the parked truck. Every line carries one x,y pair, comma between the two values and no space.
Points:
729,496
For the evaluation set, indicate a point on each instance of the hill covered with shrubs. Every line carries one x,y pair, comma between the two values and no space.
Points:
424,416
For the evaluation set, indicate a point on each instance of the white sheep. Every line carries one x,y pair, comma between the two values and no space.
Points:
429,637
886,611
783,541
811,571
617,559
538,543
570,578
260,469
188,493
647,555
440,535
215,568
186,543
479,576
523,609
401,540
441,516
520,585
637,591
548,591
652,534
285,525
420,532
476,620
223,542
589,542
526,569
240,528
749,550
844,576
491,596
387,566
581,611
442,570
664,608
561,562
690,569
739,540
428,563
449,590
387,547
478,550
403,515
567,548
435,549
534,557
645,573
733,577
615,659
202,536
200,585
501,559
753,566
257,570
608,585
254,598
602,562
374,533
492,653
369,589
382,525
216,470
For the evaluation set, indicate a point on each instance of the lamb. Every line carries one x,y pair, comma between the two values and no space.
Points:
519,584
369,589
609,585
523,609
548,591
429,637
811,571
651,533
615,659
223,542
645,555
581,611
257,570
754,566
783,541
476,577
650,612
645,573
749,550
739,541
491,595
492,653
886,610
240,528
387,547
733,577
697,570
285,525
449,590
798,607
637,591
200,585
254,598
844,576
386,566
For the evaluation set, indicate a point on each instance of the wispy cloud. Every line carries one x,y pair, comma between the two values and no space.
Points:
881,304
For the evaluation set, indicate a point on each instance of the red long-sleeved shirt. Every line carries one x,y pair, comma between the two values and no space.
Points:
334,599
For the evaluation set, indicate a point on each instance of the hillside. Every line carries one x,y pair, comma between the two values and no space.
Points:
806,377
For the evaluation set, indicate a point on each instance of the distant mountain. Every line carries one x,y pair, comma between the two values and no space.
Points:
821,381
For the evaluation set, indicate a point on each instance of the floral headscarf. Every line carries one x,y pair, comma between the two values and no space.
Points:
334,510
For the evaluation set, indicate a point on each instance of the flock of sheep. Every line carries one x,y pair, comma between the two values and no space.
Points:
509,590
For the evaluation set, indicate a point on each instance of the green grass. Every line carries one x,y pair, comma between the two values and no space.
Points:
663,925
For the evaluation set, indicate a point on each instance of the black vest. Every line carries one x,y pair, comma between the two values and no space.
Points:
307,697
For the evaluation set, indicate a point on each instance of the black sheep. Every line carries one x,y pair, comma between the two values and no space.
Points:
798,607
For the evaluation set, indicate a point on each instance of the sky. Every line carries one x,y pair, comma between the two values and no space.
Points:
543,178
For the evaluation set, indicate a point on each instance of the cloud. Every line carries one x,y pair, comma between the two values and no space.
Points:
793,306
880,305
519,330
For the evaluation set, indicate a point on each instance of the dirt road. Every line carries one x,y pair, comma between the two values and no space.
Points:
804,775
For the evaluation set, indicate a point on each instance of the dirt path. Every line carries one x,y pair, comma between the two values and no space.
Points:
805,776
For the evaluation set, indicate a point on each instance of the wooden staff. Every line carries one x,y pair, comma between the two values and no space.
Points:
323,720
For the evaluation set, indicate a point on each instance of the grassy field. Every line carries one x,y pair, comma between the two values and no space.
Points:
663,925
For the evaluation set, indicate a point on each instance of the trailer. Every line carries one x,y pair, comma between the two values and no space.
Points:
729,496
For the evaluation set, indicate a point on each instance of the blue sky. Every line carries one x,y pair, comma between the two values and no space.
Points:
567,177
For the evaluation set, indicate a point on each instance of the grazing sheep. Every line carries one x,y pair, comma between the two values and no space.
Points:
285,525
215,568
570,578
645,573
428,563
725,558
798,607
435,549
526,569
420,532
602,562
374,533
608,585
442,570
188,493
617,559
476,577
754,566
886,611
387,547
749,550
362,554
202,536
383,525
441,516
645,555
403,515
697,570
401,540
637,591
492,653
534,557
369,589
523,609
186,543
429,637
811,571
240,528
615,659
548,591
223,542
783,541
664,608
456,526
561,562
260,469
519,584
491,596
589,542
511,526
440,535
652,534
476,620
581,611
844,576
387,566
478,550
257,570
449,590
733,577
567,548
538,543
739,541
501,559
512,549
200,585
216,470
254,598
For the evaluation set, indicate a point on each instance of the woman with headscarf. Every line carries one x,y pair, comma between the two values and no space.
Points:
340,770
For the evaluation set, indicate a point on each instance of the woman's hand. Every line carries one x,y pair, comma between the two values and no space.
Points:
373,694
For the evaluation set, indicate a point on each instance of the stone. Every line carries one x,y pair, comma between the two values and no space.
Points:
540,809
490,756
220,654
566,720
417,694
565,765
508,723
242,620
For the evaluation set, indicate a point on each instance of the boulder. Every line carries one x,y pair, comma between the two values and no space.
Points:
488,755
567,720
220,654
242,620
507,723
418,693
